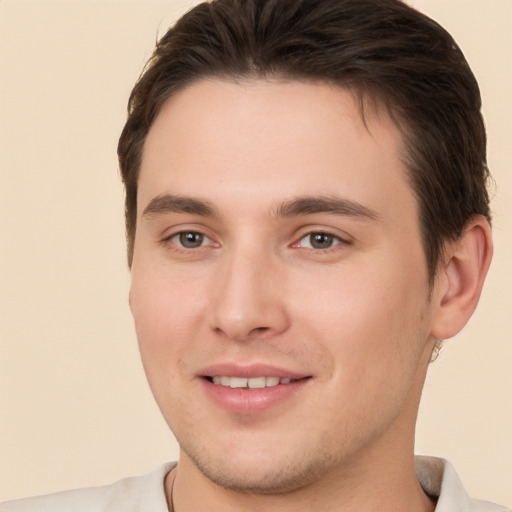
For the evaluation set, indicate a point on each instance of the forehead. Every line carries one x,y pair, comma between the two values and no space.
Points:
262,139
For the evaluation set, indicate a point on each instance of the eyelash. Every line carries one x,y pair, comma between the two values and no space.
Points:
177,241
335,239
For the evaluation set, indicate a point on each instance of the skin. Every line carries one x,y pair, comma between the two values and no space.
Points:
353,315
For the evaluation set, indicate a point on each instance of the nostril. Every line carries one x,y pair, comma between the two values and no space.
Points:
259,330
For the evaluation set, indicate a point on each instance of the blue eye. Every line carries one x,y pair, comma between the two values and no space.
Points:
319,240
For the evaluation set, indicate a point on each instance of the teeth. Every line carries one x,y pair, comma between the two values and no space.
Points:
237,382
257,382
271,381
252,383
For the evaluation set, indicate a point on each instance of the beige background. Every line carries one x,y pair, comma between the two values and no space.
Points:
74,406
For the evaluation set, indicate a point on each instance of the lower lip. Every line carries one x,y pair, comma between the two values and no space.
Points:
251,401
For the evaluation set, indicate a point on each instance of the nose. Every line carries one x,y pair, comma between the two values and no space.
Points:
247,297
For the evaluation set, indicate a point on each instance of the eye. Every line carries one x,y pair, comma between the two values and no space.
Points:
319,240
189,239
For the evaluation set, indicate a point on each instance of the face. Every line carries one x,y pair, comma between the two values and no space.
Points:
279,285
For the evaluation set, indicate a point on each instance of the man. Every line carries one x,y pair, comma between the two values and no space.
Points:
307,219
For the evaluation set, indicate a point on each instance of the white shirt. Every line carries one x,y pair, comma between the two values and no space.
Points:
147,493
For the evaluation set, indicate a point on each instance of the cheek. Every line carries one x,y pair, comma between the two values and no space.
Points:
368,318
353,300
161,326
166,312
374,332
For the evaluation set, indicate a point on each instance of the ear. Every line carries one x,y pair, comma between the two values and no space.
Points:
460,278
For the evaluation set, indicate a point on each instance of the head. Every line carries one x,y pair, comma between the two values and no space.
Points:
382,51
306,202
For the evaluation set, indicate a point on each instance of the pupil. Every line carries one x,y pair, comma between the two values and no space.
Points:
321,241
191,240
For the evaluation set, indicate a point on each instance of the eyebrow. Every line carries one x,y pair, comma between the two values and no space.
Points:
168,203
325,204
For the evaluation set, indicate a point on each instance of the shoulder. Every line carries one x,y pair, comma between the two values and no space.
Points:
134,494
487,506
439,479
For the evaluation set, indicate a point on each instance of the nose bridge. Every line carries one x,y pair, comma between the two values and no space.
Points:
246,299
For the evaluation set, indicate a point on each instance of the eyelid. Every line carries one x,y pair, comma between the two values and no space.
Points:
342,238
175,239
167,238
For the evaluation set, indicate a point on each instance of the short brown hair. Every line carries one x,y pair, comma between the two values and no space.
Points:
378,49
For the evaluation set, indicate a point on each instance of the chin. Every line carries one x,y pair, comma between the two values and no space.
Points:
257,480
263,474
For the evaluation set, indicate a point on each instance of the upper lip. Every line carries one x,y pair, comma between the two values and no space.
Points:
249,370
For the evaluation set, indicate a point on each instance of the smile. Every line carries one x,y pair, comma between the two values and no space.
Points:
250,383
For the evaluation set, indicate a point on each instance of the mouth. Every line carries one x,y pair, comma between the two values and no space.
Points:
249,382
251,390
